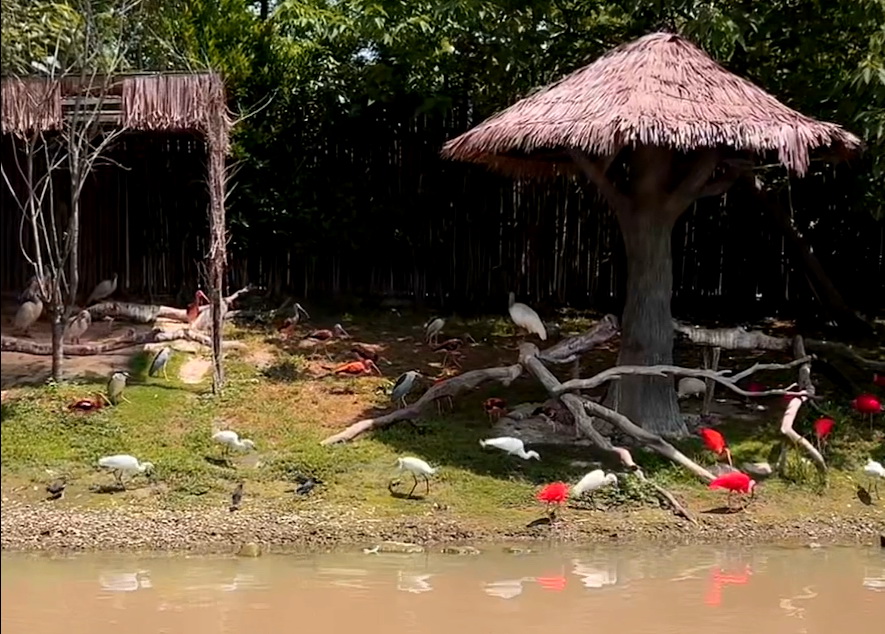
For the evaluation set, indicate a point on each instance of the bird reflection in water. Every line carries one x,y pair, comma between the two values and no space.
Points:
877,583
719,579
794,610
506,588
555,583
124,581
593,577
410,582
347,577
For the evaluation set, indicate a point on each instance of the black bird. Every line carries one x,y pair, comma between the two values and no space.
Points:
236,498
56,489
863,495
307,486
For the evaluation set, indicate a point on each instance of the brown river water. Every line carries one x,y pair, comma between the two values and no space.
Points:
592,589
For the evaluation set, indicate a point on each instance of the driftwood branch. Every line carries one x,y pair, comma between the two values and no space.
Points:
789,418
149,313
128,340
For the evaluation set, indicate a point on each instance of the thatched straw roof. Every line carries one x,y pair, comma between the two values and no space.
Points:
658,90
193,102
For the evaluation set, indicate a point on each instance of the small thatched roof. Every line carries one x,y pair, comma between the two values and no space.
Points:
174,102
658,90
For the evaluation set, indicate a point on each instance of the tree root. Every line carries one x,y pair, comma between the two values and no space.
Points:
128,340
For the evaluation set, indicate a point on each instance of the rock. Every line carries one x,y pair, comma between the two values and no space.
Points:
460,550
406,548
249,549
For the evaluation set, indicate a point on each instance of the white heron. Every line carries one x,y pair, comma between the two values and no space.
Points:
513,446
593,481
403,386
432,329
78,325
161,360
27,314
124,464
416,467
116,385
876,472
230,441
689,386
526,318
103,289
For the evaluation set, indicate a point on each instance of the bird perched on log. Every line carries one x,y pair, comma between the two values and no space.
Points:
416,467
56,489
116,385
124,464
27,315
513,446
495,408
358,368
236,498
526,318
594,481
403,386
193,309
161,360
432,329
78,325
102,290
451,348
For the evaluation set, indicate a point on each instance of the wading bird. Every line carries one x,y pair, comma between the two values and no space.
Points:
236,498
734,482
593,481
715,442
403,386
526,318
495,408
823,427
78,326
450,347
362,351
229,440
103,289
879,379
357,368
867,404
124,464
161,360
689,386
116,385
416,467
325,336
27,315
553,493
56,489
513,446
876,472
432,329
193,309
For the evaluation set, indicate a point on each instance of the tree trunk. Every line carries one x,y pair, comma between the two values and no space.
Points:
58,333
647,325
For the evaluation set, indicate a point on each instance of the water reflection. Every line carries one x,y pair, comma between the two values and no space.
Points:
877,583
410,582
719,578
505,589
593,577
124,581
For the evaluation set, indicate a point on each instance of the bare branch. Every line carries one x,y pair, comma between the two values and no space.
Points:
128,340
616,199
693,183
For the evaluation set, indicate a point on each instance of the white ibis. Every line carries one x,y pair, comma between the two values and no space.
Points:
78,326
689,386
416,467
403,386
161,360
876,472
103,289
27,314
432,329
593,481
230,441
116,385
124,464
526,318
513,446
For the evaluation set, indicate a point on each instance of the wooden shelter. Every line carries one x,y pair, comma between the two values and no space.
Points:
655,125
189,103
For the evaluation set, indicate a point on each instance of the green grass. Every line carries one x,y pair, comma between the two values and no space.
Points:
286,411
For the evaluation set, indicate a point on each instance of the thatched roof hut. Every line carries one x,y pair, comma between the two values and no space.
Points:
658,90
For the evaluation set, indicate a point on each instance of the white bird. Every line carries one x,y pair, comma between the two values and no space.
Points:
403,386
160,362
103,289
116,385
416,467
78,325
432,329
27,314
124,464
232,441
876,472
593,481
526,318
513,446
689,386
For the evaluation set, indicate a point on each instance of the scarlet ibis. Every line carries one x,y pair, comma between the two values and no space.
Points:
78,326
513,446
56,489
357,368
27,315
103,289
823,427
876,472
879,379
594,481
193,309
715,442
416,467
432,329
87,405
867,404
236,498
124,464
495,407
553,493
403,386
754,387
450,347
734,482
526,318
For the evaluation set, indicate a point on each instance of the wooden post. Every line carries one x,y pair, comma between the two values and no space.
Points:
710,364
216,148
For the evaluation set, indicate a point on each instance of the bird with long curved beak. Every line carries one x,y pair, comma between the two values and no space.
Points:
193,309
357,368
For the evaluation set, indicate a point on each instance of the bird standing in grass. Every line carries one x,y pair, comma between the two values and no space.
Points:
432,329
230,441
161,360
416,467
403,386
876,472
358,368
116,385
27,315
78,326
103,289
715,442
734,482
124,464
236,498
823,427
307,486
867,404
56,489
513,446
594,481
526,318
495,408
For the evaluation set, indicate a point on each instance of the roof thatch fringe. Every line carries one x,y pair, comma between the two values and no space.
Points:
30,104
176,102
658,90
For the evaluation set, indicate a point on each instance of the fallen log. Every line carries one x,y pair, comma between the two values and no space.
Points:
149,313
129,339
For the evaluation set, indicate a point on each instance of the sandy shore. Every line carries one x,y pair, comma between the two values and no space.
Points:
47,527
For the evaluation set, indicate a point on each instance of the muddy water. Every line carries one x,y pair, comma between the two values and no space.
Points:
586,589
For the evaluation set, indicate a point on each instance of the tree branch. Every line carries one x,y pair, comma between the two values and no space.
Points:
128,340
807,387
698,175
617,200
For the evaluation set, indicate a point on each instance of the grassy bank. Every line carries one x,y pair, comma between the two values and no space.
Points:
281,400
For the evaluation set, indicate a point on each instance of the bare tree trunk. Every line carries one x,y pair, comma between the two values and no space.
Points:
74,250
647,325
58,333
217,250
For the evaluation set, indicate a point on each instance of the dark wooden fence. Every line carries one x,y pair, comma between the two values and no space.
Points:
379,214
